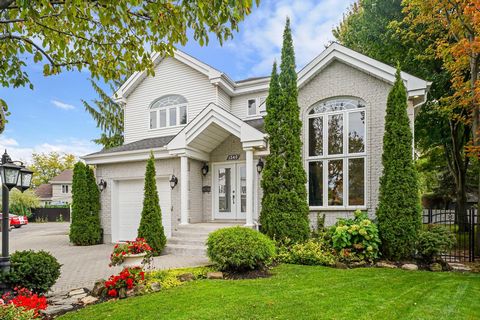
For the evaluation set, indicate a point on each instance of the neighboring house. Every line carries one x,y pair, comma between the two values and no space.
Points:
58,190
191,116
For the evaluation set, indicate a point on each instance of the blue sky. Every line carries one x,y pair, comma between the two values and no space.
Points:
52,118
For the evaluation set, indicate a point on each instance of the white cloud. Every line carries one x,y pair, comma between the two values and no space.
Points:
68,146
260,41
62,105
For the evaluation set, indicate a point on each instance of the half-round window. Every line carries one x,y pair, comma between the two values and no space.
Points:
168,111
336,153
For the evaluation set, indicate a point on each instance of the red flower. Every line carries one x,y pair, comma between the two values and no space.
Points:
112,293
129,282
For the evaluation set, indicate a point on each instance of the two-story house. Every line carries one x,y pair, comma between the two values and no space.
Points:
206,132
58,190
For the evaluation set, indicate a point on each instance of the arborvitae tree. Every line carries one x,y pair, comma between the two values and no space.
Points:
399,211
151,228
284,205
80,206
95,230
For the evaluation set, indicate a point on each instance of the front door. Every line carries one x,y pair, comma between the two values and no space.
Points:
230,197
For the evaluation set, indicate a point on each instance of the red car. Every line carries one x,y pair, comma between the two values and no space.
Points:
16,221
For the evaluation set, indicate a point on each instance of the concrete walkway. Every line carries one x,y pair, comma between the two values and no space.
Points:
81,266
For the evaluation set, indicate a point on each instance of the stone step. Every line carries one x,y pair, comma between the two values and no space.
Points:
191,234
188,241
185,250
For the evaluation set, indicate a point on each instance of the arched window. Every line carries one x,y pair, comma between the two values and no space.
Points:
336,153
168,111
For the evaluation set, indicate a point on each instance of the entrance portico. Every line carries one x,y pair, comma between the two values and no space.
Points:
233,188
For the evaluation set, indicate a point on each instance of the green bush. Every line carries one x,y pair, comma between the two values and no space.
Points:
35,270
312,252
240,249
433,241
11,312
170,278
399,211
85,227
356,239
151,227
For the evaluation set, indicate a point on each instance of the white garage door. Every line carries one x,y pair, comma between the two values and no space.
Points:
130,203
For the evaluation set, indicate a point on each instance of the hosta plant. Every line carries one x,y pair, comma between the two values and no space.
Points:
356,239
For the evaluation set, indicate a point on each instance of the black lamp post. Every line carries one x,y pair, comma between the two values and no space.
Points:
12,176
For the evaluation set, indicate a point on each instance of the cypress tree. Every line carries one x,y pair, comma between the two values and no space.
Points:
399,211
85,227
151,228
284,204
94,227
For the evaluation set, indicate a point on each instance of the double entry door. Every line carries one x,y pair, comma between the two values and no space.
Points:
230,186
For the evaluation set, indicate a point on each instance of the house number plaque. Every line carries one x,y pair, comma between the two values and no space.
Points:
231,157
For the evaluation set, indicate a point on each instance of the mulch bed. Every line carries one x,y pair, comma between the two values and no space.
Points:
251,274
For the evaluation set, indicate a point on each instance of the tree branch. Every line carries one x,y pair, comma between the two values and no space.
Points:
40,49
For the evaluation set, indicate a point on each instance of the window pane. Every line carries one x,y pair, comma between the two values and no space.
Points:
183,115
335,134
224,192
173,116
356,132
356,182
153,119
335,183
163,118
315,183
252,107
315,132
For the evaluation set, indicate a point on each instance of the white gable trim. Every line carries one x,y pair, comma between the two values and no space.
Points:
215,114
415,86
335,52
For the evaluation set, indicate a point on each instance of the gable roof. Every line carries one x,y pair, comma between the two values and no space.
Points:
64,176
149,143
334,52
44,191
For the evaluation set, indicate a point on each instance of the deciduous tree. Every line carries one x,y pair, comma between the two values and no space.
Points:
46,166
108,38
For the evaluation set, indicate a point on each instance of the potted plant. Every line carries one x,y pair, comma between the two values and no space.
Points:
131,253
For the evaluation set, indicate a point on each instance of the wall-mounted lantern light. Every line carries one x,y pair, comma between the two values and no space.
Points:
102,185
260,165
205,169
173,181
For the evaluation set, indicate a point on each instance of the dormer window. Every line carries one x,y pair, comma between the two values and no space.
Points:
168,111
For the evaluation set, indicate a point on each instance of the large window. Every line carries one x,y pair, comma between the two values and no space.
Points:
336,153
168,111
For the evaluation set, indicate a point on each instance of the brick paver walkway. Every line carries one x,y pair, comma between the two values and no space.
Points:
81,266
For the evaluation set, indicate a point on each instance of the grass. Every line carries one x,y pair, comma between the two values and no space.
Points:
305,292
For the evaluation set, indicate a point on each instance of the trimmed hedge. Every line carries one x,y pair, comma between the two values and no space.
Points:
35,270
240,249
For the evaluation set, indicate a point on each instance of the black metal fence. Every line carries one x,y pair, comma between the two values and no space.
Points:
51,214
464,226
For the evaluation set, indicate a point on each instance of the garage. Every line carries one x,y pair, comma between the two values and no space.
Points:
129,203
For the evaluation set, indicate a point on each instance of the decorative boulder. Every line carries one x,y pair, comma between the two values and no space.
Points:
215,275
98,288
155,286
435,267
410,267
186,277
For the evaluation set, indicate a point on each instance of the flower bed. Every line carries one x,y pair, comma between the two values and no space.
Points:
118,285
28,302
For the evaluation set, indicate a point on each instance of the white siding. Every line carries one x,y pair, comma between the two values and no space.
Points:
224,100
240,104
171,77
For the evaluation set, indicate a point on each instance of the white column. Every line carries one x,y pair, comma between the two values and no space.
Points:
249,165
183,189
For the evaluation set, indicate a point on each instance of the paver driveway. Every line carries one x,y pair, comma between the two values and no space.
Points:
81,266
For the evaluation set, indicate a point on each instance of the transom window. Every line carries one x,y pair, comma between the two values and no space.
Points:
336,153
168,111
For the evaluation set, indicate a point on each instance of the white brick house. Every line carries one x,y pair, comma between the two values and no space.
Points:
192,116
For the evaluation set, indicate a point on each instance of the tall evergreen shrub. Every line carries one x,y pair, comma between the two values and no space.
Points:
151,228
399,211
284,205
85,224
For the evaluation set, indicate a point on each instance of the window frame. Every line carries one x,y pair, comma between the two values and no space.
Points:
166,109
65,188
345,156
256,107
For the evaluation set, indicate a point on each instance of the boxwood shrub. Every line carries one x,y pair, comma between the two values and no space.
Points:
35,270
240,249
433,241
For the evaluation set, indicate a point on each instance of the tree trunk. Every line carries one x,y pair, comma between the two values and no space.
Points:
474,67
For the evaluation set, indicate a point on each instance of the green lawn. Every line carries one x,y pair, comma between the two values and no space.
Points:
303,292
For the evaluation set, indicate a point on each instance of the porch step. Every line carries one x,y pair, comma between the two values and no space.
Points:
189,240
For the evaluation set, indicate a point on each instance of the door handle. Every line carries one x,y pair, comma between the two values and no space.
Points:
233,199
